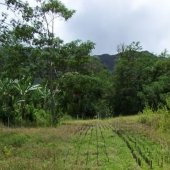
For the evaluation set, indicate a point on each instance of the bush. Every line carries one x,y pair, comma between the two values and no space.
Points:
159,119
64,118
146,116
42,118
164,121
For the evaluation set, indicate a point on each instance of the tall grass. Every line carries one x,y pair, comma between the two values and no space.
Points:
159,119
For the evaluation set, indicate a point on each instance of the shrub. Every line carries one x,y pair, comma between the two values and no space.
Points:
146,116
159,119
64,118
42,118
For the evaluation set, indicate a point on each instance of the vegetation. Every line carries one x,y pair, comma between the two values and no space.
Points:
44,82
42,78
159,119
92,144
139,81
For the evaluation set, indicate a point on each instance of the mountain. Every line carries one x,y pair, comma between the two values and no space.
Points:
108,60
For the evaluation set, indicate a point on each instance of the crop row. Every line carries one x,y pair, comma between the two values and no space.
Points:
102,145
78,134
145,152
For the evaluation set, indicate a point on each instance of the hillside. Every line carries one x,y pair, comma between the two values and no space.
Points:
108,60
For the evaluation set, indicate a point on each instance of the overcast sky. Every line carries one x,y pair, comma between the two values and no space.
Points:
111,22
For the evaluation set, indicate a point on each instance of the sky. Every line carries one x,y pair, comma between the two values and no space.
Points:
109,23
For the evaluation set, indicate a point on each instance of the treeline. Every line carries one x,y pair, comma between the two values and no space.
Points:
42,78
141,79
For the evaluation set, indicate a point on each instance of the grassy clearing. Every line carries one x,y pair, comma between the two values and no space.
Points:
119,144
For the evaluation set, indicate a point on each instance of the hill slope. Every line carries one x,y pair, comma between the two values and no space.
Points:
108,60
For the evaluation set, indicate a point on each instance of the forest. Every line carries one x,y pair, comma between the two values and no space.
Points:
43,79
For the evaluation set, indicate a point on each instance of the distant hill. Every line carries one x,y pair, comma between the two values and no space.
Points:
108,60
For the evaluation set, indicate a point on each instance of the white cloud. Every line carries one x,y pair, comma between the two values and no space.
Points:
110,22
137,4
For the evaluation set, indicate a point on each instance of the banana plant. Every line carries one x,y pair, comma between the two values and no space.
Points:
24,89
44,94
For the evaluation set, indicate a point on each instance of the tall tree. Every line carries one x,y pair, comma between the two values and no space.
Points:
31,33
79,94
131,72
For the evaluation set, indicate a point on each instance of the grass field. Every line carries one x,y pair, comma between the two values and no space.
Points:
113,144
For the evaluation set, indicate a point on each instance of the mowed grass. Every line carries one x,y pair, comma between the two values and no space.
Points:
113,144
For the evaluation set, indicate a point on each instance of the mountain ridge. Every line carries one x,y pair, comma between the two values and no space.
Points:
108,60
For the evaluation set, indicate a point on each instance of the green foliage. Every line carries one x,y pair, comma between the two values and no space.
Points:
6,99
156,90
159,119
42,78
7,151
168,101
146,116
131,73
28,44
65,118
79,94
42,118
140,79
55,6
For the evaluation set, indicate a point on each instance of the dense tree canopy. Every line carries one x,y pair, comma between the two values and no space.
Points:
140,79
